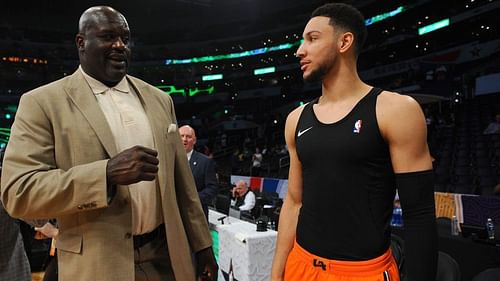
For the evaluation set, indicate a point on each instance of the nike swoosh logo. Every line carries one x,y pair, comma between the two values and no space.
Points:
300,133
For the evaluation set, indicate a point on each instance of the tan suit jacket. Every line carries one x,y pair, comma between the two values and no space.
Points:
55,167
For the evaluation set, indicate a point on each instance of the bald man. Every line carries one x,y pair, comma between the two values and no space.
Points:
203,168
99,151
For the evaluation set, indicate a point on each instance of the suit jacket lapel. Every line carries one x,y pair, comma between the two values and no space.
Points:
81,94
157,120
154,112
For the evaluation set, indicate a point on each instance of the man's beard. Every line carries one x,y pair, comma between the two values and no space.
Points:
318,74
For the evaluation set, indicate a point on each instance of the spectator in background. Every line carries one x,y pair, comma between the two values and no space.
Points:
203,168
441,73
243,198
283,150
496,190
493,127
264,150
429,75
223,140
207,151
247,140
256,162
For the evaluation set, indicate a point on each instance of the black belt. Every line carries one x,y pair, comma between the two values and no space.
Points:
143,239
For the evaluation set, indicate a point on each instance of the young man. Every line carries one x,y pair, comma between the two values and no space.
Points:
349,151
99,151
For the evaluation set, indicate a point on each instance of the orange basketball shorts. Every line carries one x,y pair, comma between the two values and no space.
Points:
304,266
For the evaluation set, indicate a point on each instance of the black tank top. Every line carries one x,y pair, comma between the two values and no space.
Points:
348,184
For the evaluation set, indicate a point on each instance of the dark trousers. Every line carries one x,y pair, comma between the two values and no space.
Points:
152,262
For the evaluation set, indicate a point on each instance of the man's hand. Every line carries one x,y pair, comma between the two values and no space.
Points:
46,231
206,267
132,165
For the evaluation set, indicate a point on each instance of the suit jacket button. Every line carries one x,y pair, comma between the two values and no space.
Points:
128,235
80,207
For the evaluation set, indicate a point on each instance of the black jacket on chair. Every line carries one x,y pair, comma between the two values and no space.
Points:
14,263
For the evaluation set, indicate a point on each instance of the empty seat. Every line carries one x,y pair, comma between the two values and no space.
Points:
488,180
463,161
462,153
447,269
481,153
462,171
491,274
481,162
496,153
485,171
486,184
463,146
481,144
463,188
397,246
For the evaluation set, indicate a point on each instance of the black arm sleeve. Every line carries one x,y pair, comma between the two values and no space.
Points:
416,193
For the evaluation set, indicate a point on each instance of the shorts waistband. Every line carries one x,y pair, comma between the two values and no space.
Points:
378,264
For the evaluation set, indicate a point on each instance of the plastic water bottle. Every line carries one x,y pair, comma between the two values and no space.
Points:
393,218
490,228
400,216
397,217
454,226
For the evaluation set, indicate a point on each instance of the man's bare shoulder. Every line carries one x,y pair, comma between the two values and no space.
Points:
396,100
291,123
395,105
294,115
399,115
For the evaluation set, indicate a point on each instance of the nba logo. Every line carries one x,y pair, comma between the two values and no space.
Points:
357,126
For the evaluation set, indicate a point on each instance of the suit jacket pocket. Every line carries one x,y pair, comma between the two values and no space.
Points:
70,242
171,137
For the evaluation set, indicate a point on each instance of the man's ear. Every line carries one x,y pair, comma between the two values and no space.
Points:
80,41
346,42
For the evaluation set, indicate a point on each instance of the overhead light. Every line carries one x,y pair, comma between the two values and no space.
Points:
212,77
265,70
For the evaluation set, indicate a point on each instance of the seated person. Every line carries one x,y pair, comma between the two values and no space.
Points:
493,127
243,198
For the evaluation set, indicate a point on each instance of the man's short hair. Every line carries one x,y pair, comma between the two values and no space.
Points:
245,184
347,18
